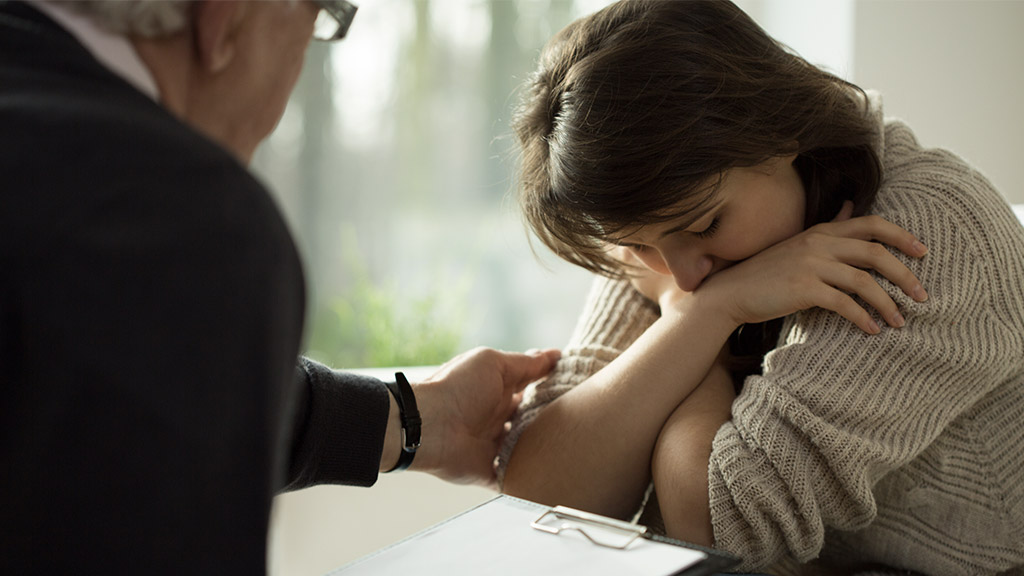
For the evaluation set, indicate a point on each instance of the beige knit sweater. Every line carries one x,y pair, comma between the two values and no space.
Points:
903,449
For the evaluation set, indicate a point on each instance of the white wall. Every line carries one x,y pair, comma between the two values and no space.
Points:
819,30
950,68
953,71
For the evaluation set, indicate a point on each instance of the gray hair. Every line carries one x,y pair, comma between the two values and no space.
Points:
146,18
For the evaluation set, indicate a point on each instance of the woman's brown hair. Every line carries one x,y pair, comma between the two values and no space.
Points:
635,109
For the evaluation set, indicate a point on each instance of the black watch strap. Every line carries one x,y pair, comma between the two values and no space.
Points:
410,419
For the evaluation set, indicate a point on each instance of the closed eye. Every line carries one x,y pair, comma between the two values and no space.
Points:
710,230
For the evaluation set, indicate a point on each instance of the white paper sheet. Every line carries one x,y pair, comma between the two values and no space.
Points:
496,539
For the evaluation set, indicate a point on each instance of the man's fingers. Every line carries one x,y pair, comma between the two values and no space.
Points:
521,369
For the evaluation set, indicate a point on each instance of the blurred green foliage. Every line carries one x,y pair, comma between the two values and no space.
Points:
370,325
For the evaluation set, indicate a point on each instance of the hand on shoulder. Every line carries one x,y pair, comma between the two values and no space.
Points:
825,266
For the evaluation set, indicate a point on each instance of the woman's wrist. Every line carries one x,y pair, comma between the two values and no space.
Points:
701,308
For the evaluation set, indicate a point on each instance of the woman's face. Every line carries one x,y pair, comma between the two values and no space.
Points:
752,209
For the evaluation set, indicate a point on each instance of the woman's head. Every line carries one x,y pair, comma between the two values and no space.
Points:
638,112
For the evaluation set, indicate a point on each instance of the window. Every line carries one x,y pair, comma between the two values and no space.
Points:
394,165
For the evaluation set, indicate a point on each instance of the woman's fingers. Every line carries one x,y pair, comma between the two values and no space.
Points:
877,229
874,256
845,212
857,246
861,283
843,304
835,266
860,244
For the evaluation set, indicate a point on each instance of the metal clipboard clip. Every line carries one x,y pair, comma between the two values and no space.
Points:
600,530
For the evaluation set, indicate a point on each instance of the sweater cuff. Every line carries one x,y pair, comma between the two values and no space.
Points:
340,434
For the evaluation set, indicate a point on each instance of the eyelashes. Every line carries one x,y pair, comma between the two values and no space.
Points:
710,230
704,234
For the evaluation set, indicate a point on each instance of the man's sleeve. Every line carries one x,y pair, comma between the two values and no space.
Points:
339,424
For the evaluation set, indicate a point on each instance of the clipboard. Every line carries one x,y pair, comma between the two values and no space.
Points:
511,536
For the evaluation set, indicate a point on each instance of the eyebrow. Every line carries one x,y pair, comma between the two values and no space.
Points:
699,210
695,216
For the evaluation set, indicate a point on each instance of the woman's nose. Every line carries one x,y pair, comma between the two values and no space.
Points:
688,270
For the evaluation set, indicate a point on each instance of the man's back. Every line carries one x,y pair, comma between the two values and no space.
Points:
151,303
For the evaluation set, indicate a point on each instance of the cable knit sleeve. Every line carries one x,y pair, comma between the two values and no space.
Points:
614,316
836,411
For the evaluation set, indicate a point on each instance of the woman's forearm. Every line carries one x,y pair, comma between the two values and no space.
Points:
591,449
680,463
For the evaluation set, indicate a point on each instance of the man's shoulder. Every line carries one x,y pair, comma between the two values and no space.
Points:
85,155
59,105
80,156
89,155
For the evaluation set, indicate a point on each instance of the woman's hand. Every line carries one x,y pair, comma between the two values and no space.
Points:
824,267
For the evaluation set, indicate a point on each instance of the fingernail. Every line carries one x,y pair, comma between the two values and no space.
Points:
898,320
920,248
919,294
875,329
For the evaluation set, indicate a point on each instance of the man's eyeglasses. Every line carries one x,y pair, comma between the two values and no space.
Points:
334,19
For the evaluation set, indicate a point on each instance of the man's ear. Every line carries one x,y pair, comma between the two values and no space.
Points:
216,32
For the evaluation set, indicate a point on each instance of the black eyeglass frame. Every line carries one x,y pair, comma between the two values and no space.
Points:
342,11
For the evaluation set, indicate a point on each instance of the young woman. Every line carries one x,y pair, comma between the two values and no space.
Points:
752,349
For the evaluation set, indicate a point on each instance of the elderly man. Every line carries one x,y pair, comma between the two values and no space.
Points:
151,301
